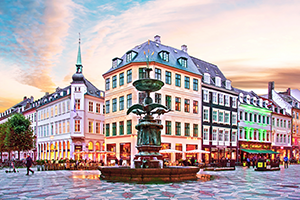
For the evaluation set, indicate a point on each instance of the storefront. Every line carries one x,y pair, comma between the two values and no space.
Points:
283,151
125,152
178,156
78,148
112,156
190,147
166,156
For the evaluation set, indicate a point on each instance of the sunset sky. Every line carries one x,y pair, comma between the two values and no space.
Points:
252,42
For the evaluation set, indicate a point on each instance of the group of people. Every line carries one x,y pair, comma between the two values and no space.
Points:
28,163
256,159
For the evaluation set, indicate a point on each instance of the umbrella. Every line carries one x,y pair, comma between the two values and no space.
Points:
169,151
197,151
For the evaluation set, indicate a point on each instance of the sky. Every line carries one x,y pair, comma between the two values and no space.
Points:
252,42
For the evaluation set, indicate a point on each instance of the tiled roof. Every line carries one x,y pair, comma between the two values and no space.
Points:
174,55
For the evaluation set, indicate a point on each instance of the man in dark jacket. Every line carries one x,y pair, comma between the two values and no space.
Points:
28,164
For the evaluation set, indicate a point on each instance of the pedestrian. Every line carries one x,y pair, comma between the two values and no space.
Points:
116,162
253,161
28,164
286,162
121,162
248,162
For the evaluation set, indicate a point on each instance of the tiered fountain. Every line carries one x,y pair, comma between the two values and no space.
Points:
148,162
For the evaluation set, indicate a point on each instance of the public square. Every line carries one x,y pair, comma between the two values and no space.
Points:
243,183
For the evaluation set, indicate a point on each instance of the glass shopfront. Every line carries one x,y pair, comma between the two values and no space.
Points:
166,156
125,152
179,148
190,147
111,156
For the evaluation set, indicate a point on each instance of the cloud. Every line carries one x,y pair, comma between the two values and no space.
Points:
38,31
284,78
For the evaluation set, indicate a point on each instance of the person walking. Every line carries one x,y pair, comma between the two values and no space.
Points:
286,162
248,162
28,164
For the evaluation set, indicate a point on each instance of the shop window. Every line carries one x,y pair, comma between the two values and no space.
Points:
90,146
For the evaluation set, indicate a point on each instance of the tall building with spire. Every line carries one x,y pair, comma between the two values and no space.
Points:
70,120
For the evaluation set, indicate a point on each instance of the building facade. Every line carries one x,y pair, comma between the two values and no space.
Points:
254,132
219,109
181,93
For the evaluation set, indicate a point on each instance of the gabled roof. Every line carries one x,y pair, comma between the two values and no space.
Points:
92,90
174,55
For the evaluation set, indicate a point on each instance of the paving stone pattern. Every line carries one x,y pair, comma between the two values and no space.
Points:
243,183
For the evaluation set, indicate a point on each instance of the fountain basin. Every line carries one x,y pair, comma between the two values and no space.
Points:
151,85
149,175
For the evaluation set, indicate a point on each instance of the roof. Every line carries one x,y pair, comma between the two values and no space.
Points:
92,90
174,55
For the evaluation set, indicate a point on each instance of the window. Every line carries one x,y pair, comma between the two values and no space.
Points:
164,55
178,128
107,84
168,101
186,105
91,127
284,124
142,96
227,118
157,98
206,115
97,107
183,62
178,80
177,103
97,127
221,116
221,99
121,102
121,128
129,76
234,119
107,130
56,127
233,102
114,128
130,56
241,115
91,106
233,136
168,127
264,119
215,99
77,126
129,127
186,129
250,117
77,103
157,74
226,136
51,111
68,127
195,107
129,100
187,82
215,116
64,127
195,84
168,77
246,116
214,135
142,73
205,133
220,135
121,79
281,123
114,81
205,95
107,106
195,130
59,110
289,124
226,100
68,106
114,105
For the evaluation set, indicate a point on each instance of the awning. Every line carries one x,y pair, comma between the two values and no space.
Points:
258,151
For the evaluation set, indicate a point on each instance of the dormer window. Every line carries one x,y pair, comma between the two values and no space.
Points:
207,78
182,61
248,99
164,55
228,84
116,62
130,55
218,81
241,97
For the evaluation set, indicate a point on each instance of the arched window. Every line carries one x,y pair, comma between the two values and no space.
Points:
91,146
97,146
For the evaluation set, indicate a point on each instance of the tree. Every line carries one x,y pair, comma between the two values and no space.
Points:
3,128
19,134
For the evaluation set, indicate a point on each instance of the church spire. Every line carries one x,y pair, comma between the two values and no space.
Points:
79,54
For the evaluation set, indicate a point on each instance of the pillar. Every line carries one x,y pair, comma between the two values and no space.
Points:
71,149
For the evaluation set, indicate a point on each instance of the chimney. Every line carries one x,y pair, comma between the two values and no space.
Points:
184,48
32,99
24,98
270,89
157,39
288,91
46,93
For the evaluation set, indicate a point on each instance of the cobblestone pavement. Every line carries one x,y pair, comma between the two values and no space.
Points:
243,183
